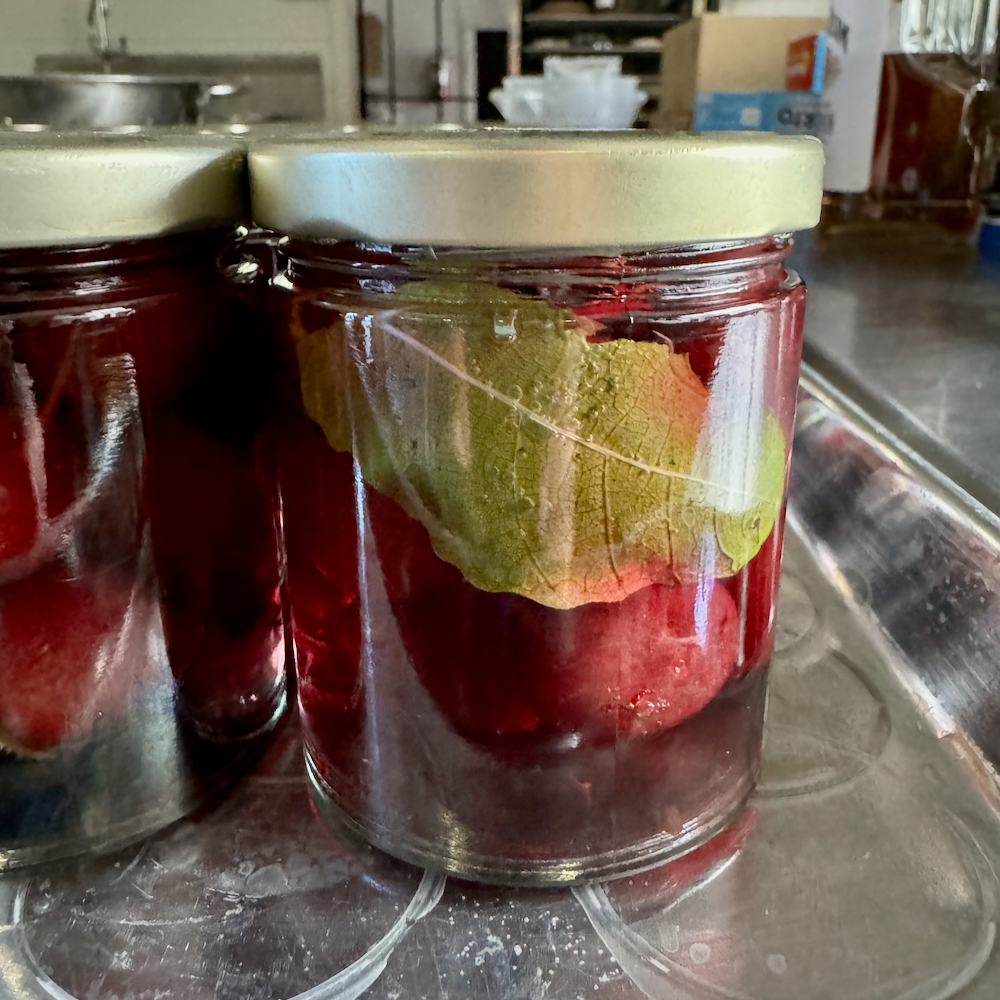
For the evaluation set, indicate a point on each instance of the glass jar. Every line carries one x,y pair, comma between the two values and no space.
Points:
532,460
141,632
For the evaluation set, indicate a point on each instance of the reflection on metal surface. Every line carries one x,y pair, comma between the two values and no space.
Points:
801,632
759,930
286,87
20,974
923,573
360,975
907,321
102,101
22,978
825,725
870,873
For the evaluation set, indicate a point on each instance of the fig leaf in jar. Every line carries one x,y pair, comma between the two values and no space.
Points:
540,463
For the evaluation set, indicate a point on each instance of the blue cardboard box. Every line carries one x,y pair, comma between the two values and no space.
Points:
794,112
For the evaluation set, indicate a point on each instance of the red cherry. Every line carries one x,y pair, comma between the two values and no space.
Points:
500,664
322,543
644,664
327,625
57,637
328,658
18,515
407,558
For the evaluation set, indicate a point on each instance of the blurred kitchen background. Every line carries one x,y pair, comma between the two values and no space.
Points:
422,60
902,92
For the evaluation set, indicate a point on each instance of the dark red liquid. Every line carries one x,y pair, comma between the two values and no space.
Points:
138,380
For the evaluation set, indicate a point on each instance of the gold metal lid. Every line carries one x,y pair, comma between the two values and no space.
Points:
63,188
537,189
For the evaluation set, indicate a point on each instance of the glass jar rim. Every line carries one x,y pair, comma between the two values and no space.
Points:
672,262
696,278
33,278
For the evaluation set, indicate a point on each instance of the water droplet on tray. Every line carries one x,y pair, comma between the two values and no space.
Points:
700,953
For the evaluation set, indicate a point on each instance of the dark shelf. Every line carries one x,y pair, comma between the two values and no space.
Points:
638,23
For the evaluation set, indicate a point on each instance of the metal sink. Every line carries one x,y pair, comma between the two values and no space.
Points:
267,87
104,100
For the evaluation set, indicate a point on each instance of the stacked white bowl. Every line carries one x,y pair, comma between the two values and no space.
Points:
574,92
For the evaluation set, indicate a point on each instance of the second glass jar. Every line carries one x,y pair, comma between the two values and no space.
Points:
141,631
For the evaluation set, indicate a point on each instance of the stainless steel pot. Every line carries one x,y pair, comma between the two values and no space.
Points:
71,100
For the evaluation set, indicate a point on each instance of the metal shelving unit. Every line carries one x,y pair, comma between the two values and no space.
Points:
601,33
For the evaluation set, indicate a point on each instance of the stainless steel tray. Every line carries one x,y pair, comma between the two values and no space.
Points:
865,869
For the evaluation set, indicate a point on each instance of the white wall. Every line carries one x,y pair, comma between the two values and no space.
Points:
31,26
197,27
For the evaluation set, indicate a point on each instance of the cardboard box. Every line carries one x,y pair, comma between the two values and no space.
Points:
789,112
724,53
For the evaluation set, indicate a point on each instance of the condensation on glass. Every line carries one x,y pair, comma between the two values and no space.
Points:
141,632
533,497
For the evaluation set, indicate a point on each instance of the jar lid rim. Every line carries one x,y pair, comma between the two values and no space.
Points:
533,188
76,188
